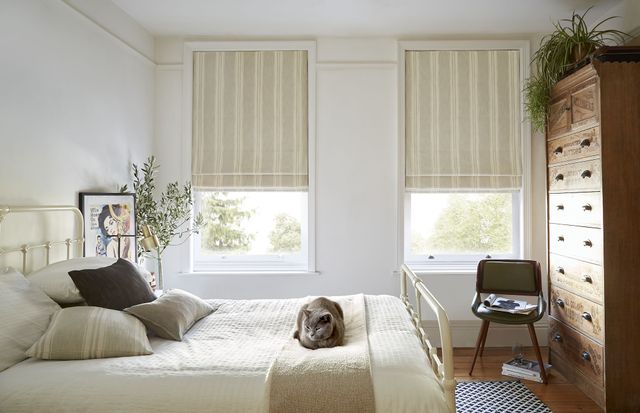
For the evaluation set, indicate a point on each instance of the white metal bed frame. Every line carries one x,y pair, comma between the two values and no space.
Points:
24,249
443,369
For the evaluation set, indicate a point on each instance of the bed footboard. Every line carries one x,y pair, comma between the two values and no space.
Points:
443,369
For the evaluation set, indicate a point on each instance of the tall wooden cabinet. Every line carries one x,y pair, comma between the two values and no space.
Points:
593,159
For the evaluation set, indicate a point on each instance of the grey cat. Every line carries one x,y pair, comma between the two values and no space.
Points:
320,324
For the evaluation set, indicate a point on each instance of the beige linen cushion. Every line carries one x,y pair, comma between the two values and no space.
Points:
171,315
25,312
78,333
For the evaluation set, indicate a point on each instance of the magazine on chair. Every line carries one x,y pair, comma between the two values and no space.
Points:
508,305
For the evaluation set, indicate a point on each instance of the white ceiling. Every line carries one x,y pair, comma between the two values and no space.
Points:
312,18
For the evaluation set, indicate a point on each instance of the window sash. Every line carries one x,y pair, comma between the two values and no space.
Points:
252,262
463,261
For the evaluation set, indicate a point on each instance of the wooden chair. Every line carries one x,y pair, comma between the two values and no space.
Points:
511,277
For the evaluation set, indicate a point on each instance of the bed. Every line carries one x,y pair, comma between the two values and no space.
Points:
226,361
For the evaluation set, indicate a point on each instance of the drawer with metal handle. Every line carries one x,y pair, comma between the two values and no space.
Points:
578,208
575,146
578,312
582,352
575,177
577,242
582,278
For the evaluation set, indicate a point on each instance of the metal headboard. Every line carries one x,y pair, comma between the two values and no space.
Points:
76,236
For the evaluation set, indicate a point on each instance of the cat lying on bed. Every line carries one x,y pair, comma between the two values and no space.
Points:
320,324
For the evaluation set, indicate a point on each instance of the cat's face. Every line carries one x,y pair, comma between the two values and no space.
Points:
317,326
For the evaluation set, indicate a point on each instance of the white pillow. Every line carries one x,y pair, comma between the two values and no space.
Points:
25,312
54,279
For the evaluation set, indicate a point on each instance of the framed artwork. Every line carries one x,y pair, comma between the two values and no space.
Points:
109,225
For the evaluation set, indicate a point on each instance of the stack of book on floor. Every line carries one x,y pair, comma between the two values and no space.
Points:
524,369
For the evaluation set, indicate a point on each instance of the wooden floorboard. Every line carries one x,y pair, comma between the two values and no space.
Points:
558,394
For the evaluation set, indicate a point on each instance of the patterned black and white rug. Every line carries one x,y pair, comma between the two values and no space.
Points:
497,396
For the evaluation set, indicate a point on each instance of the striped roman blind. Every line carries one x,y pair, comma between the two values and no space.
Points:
462,120
250,127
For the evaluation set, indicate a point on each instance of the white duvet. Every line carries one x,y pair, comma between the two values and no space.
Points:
221,366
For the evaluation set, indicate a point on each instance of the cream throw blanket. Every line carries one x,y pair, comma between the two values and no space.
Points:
334,379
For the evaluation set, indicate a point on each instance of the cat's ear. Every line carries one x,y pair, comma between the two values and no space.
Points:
306,312
326,317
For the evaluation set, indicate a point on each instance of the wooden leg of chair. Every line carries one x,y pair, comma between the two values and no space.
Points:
483,328
534,340
484,338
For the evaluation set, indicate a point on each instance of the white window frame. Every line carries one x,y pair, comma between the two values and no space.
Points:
258,265
523,212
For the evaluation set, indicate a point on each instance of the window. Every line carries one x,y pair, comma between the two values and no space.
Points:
250,158
246,231
461,227
463,157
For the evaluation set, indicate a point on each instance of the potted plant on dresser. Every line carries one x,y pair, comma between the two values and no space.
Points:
561,52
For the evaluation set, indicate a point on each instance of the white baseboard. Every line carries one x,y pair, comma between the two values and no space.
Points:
464,333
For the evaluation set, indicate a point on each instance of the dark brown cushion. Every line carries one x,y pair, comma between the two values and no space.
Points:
117,286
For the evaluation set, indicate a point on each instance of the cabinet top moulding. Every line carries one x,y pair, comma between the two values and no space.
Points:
617,54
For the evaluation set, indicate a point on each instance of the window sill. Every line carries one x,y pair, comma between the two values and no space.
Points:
265,273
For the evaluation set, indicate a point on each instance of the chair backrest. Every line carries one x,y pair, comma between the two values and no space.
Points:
518,277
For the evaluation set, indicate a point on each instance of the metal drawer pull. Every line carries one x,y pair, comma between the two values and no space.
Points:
586,278
587,316
586,174
560,303
566,108
587,243
560,270
557,338
559,177
558,150
560,207
586,356
561,238
431,257
585,143
586,207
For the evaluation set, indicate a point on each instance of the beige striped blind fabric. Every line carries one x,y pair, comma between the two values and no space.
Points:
462,120
250,121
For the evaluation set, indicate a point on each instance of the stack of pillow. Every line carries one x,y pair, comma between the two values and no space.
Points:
108,307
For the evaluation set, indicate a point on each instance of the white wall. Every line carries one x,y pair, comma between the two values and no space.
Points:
76,103
357,169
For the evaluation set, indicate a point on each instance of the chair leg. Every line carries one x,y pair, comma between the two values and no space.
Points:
481,336
484,338
534,340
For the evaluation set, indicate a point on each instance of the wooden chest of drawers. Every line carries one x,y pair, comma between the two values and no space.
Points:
593,182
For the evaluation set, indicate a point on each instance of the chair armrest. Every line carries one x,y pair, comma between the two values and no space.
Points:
477,300
542,304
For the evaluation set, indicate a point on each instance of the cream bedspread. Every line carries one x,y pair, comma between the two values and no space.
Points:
301,380
221,366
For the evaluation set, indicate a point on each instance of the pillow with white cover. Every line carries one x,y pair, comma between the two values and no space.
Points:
54,279
80,333
25,312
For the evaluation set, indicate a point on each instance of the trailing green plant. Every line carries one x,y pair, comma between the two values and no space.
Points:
537,91
169,214
559,52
